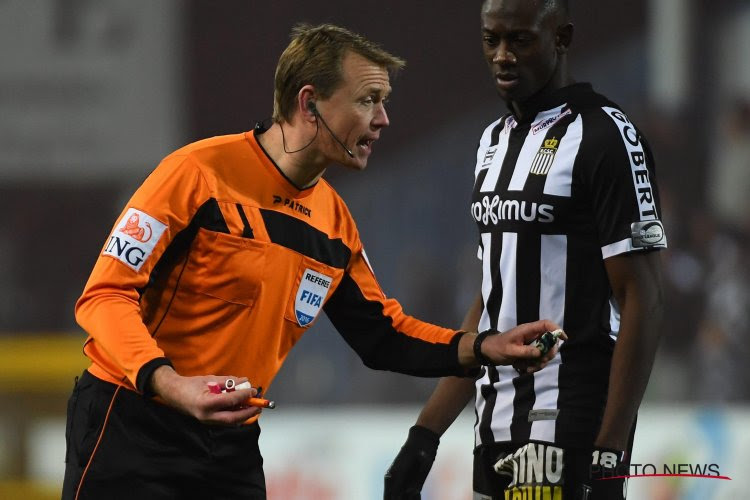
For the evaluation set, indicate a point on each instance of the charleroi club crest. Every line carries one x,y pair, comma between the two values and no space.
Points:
544,157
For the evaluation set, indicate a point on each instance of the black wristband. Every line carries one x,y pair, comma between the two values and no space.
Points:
143,379
423,437
481,358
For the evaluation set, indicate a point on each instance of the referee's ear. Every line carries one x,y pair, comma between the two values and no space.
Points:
563,37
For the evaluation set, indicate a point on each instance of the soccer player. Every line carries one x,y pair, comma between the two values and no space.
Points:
221,260
567,209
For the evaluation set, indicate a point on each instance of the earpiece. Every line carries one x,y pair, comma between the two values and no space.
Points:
314,110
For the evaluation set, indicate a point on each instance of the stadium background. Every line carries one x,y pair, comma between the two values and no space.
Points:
94,93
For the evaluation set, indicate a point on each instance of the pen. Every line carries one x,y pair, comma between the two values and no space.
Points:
261,402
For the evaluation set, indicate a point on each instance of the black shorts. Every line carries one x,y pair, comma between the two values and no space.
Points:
543,472
122,445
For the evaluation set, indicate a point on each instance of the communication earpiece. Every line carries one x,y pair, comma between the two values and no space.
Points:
314,110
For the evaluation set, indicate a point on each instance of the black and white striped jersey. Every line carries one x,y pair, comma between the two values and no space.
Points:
553,197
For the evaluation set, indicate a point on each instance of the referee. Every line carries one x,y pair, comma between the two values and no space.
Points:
567,208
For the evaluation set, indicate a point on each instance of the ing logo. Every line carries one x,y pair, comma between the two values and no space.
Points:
133,229
134,238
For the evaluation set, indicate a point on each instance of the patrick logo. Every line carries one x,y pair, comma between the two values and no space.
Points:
133,229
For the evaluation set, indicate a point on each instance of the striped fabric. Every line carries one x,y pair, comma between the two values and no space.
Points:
553,197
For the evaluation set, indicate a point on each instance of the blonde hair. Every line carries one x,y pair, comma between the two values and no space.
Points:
314,57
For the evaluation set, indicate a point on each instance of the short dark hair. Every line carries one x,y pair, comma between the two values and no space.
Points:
314,57
561,6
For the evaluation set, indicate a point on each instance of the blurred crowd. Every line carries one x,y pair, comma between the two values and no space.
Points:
708,263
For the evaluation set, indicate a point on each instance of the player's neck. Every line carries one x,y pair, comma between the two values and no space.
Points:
527,109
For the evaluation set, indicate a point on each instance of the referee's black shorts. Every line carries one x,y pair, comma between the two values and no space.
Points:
122,445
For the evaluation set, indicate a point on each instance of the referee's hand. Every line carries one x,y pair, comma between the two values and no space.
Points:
191,395
511,347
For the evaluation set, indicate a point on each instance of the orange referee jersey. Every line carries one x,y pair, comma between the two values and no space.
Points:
218,265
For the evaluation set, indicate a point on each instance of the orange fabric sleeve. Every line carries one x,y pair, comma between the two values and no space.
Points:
109,309
382,334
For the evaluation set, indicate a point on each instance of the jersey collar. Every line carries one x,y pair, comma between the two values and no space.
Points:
552,100
272,168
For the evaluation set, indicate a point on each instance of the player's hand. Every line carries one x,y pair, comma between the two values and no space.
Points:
406,475
511,347
191,395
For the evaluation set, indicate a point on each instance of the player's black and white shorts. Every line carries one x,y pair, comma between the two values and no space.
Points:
539,471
